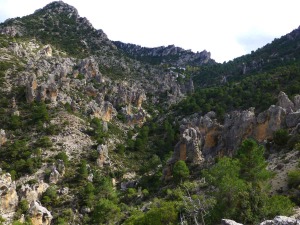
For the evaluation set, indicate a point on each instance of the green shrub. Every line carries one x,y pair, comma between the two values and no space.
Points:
106,212
279,205
293,141
64,157
44,142
39,113
180,171
281,137
294,178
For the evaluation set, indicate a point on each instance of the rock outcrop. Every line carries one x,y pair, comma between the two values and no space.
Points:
8,194
39,215
3,138
103,158
278,220
171,54
54,175
32,192
137,118
189,147
203,138
104,111
90,69
281,220
229,222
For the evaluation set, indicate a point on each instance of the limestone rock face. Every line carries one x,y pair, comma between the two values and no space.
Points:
124,94
281,220
31,86
138,118
54,176
285,102
11,30
46,51
297,102
8,195
229,222
103,158
61,167
269,121
90,68
187,149
39,215
105,110
42,92
278,220
237,127
293,119
203,138
3,138
33,192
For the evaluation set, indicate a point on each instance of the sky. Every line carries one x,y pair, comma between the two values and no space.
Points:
225,28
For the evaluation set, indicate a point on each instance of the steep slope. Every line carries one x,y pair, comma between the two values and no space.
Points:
60,25
282,51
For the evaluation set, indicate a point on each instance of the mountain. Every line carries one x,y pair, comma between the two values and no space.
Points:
282,51
94,131
170,55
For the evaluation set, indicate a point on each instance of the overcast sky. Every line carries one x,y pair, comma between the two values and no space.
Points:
226,28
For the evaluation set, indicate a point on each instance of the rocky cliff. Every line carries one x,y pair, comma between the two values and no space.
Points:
170,55
202,138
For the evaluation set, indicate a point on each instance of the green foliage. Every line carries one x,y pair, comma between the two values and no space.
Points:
161,213
52,129
83,171
2,220
242,187
39,113
252,162
22,208
279,205
44,142
15,122
19,159
64,157
294,178
65,217
259,90
180,171
50,197
281,137
104,188
105,212
87,194
97,132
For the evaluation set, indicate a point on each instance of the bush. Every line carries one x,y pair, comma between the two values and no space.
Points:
279,205
180,171
64,157
293,141
106,212
40,113
294,178
43,142
281,137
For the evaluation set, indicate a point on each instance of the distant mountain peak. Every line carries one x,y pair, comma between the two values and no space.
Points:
59,7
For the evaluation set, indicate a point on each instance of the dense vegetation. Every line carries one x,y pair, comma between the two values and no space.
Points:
259,91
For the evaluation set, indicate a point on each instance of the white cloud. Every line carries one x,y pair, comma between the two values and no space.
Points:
227,29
